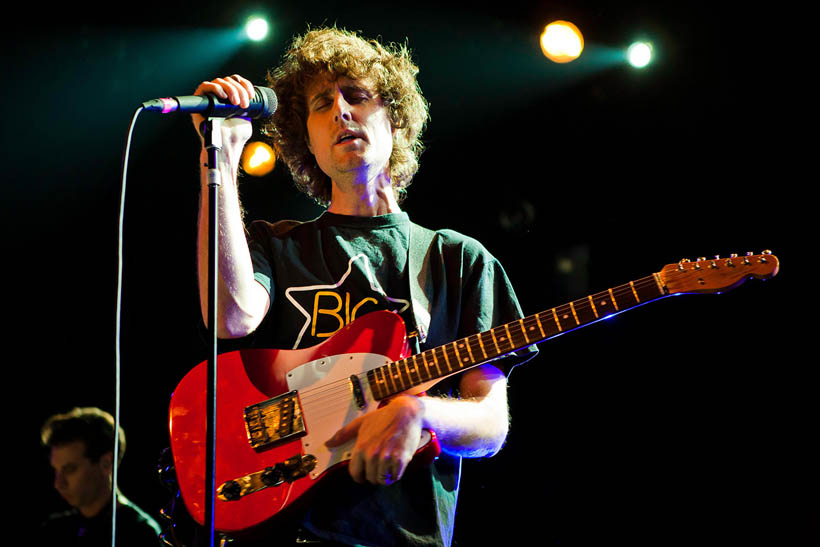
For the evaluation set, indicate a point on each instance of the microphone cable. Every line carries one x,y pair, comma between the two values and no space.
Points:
118,323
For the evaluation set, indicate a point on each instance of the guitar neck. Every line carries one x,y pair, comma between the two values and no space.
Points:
476,349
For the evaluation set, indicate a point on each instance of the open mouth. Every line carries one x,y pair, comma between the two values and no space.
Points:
347,136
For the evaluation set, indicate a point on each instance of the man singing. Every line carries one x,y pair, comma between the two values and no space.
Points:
348,126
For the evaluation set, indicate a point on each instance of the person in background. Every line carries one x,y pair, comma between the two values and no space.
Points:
81,452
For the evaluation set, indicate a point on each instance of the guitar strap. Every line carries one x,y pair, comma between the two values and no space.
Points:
421,286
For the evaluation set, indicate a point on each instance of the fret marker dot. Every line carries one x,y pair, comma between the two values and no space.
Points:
565,316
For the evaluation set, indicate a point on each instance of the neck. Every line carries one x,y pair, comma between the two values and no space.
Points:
96,507
364,198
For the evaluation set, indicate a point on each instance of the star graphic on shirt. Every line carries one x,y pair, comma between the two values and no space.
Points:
366,268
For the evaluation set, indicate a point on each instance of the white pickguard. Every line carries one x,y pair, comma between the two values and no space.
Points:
328,403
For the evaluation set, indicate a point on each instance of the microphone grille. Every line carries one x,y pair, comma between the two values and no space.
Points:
269,101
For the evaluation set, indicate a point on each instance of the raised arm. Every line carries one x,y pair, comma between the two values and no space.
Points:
242,301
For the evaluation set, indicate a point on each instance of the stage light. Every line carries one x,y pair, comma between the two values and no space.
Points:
639,54
562,42
258,159
256,29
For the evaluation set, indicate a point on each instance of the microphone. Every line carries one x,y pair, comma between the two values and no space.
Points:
263,104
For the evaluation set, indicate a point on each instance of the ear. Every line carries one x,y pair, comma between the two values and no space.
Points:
106,461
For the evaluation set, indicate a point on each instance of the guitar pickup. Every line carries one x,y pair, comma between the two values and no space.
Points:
275,420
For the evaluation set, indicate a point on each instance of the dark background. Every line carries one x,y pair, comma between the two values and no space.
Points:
684,422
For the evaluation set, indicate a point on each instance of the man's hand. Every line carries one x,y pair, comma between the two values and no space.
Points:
386,440
237,90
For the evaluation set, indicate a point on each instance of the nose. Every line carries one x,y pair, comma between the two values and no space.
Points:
342,109
59,481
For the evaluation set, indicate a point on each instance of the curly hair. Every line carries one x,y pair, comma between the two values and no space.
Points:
90,425
340,53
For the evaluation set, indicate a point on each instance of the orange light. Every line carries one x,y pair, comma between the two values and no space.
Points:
258,159
562,42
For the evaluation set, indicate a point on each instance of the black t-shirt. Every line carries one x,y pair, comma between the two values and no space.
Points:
321,276
135,528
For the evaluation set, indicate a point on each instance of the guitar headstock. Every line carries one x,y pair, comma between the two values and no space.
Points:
718,274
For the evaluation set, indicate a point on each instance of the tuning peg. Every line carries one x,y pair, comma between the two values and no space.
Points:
766,252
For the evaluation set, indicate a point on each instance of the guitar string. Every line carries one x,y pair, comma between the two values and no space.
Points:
341,387
621,290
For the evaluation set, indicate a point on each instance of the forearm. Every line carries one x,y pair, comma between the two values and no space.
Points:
241,300
472,427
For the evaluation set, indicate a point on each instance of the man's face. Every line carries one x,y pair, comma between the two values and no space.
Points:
81,482
349,131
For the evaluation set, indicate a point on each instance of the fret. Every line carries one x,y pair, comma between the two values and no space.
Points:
574,315
594,309
509,336
524,330
495,341
409,369
540,326
564,318
391,385
625,296
398,376
601,304
614,303
421,366
382,375
412,370
439,361
372,379
430,373
447,359
458,355
425,374
481,345
634,292
584,312
557,322
466,342
648,289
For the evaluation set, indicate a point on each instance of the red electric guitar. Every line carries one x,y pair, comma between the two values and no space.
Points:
276,408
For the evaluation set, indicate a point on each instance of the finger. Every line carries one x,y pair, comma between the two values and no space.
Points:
386,472
348,432
235,93
356,467
245,83
212,88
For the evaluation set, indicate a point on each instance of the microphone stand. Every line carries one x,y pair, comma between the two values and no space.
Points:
212,135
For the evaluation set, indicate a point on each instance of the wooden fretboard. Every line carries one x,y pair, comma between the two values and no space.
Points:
477,349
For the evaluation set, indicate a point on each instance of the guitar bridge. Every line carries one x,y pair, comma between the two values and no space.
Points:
275,420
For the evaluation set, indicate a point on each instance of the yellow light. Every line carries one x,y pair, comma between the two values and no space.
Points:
258,159
562,42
